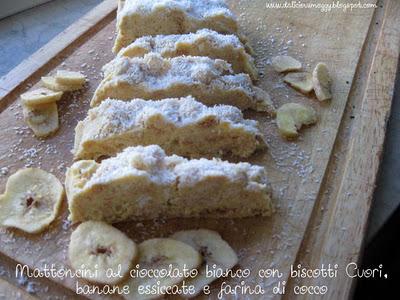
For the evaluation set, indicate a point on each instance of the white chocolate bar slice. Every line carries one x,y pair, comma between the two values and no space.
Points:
211,81
180,126
142,183
137,18
204,42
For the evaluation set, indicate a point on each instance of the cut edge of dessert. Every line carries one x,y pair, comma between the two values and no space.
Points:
181,126
211,81
135,20
204,42
143,183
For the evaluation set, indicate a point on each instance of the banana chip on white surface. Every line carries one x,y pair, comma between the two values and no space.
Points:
159,254
322,82
68,78
31,201
42,119
40,96
215,252
96,247
290,117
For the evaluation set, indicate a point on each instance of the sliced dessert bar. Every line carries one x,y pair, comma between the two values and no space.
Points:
204,42
142,183
211,81
137,18
180,126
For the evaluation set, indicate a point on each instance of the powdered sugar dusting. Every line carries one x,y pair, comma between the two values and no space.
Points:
152,161
164,44
119,116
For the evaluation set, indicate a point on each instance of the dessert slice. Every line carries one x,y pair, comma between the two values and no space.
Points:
137,18
204,42
180,126
211,81
143,183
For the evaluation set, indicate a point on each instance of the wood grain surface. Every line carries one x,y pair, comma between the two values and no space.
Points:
9,291
361,55
341,230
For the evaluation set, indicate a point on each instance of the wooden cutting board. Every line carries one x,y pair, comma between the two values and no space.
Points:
322,182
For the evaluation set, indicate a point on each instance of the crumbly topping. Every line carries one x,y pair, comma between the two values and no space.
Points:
161,73
116,116
166,43
191,172
194,8
152,162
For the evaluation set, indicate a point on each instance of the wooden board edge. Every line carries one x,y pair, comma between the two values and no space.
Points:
340,240
387,55
45,54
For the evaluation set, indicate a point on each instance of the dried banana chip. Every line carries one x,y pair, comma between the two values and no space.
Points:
284,63
42,119
96,248
68,78
52,84
301,81
215,252
32,200
291,117
322,82
158,255
40,96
